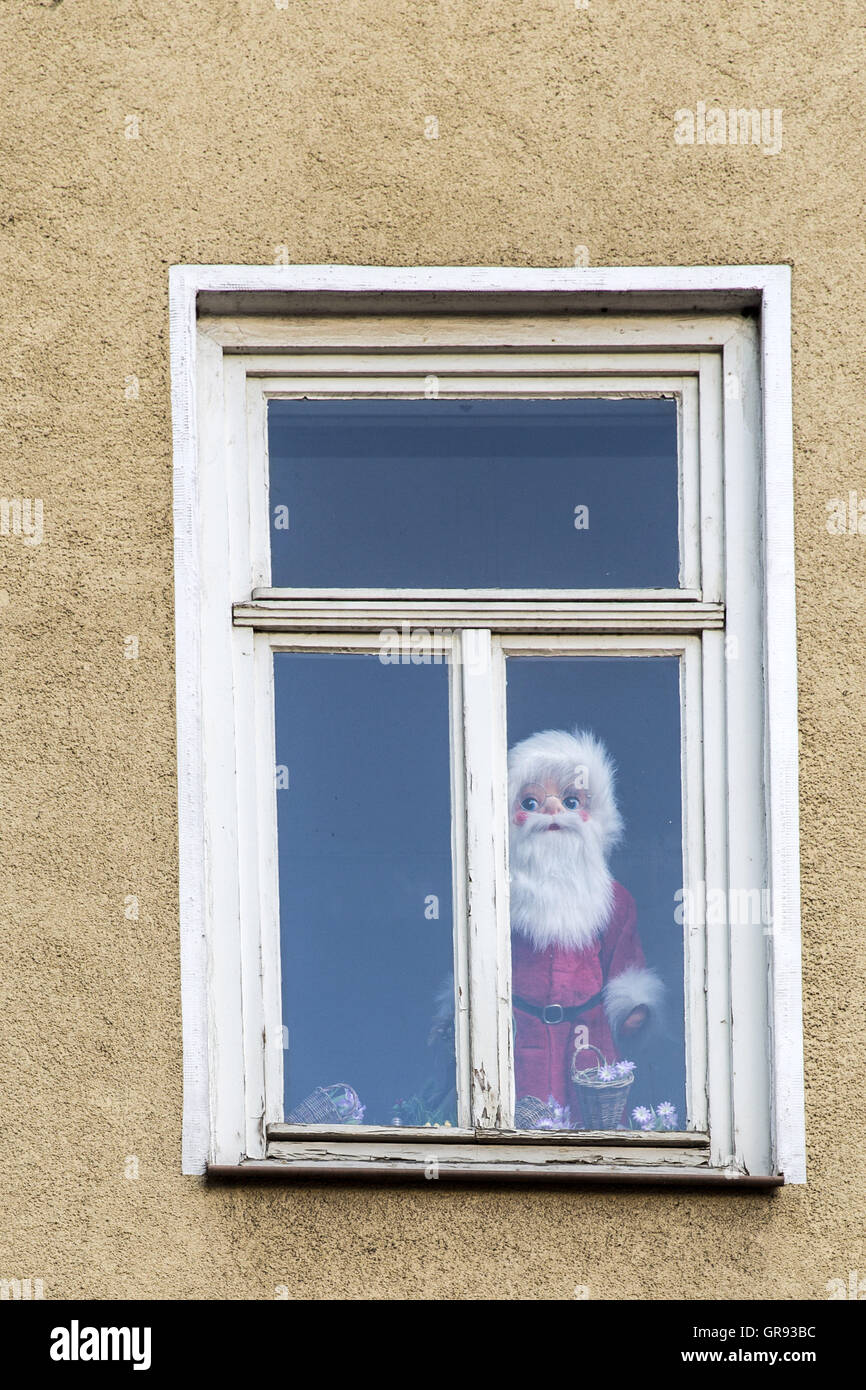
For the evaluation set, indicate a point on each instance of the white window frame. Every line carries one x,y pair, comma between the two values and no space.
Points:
242,335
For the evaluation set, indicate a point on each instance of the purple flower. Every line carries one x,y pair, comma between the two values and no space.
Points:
607,1073
644,1117
559,1116
624,1068
667,1114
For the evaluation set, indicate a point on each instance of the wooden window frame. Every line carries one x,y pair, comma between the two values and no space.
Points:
719,341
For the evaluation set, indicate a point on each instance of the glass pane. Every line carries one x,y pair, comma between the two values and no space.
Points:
474,494
595,847
364,823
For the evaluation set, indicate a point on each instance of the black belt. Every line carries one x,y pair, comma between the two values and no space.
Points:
555,1013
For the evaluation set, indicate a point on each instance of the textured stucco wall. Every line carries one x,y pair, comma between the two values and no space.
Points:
303,127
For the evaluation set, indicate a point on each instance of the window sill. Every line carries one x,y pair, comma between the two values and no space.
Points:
565,1171
672,1159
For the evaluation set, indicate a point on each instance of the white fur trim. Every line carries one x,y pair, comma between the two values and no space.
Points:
631,990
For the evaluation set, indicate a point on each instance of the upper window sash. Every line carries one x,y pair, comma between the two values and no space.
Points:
692,380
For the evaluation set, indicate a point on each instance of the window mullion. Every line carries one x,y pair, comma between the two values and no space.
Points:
483,683
462,1040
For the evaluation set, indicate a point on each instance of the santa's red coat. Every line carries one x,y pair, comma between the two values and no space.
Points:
543,1052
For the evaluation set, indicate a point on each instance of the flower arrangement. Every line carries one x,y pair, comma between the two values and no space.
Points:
603,1089
329,1105
663,1116
614,1071
557,1117
348,1103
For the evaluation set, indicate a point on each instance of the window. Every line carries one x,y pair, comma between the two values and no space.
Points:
487,724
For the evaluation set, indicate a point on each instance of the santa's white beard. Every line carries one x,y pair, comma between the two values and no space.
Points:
561,888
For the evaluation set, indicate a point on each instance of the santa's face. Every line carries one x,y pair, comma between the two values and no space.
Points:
548,805
552,805
561,889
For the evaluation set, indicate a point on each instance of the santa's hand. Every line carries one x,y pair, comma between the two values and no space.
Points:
636,1019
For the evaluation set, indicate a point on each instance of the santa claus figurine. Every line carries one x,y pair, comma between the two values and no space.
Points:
578,971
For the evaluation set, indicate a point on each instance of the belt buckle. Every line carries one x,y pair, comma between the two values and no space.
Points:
560,1013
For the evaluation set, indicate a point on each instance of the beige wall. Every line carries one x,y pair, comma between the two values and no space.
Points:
303,127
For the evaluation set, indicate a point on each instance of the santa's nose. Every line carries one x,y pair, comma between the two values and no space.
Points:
552,806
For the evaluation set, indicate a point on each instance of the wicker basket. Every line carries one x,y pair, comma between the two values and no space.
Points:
602,1103
320,1108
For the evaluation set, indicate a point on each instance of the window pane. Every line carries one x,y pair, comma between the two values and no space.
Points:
595,848
474,494
364,822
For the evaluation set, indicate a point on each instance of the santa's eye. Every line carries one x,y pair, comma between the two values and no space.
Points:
530,803
570,803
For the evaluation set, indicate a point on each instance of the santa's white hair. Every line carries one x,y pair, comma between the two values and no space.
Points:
561,887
